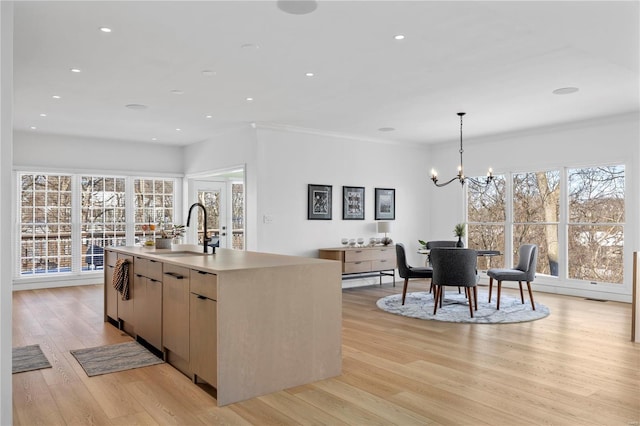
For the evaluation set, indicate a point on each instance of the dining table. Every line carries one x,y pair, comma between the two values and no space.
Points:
487,254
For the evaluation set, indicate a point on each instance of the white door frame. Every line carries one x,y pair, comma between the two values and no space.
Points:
196,185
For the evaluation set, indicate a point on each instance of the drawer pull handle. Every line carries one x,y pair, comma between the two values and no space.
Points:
383,260
138,275
153,261
153,281
202,272
174,275
357,263
201,297
358,251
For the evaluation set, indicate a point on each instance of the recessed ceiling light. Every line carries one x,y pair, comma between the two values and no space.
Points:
208,116
178,129
43,115
309,74
565,90
105,29
154,139
33,127
297,7
76,70
398,37
177,92
208,73
56,97
136,106
249,99
386,129
250,46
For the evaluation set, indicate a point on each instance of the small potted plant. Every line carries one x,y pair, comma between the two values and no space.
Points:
459,231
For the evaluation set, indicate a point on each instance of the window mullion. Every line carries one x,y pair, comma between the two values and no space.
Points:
76,231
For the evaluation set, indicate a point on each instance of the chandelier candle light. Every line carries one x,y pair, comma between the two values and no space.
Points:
460,176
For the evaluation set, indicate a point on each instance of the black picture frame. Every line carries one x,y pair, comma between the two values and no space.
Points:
319,202
353,203
385,204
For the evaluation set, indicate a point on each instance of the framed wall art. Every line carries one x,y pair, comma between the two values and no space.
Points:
319,204
385,204
353,203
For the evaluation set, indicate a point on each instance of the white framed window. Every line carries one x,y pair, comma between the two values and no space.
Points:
580,235
66,220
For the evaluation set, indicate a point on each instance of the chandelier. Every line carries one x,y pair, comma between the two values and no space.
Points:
460,176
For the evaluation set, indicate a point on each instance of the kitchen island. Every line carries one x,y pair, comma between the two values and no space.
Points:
247,323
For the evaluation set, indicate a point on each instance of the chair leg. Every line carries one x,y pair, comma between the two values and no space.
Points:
404,289
431,288
475,296
467,292
459,291
490,287
499,287
531,296
521,294
436,297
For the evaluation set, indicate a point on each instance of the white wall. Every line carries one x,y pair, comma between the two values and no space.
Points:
60,152
289,161
6,147
608,140
229,149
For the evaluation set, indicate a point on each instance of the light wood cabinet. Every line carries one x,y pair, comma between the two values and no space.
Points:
148,301
110,293
175,310
203,324
378,260
126,313
247,323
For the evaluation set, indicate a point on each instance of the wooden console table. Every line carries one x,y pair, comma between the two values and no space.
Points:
358,262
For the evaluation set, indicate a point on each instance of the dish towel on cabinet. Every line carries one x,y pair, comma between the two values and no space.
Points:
121,278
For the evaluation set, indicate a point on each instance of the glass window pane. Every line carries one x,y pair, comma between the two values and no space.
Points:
596,195
486,203
596,253
487,237
536,197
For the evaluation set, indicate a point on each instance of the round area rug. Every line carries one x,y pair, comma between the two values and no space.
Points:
455,308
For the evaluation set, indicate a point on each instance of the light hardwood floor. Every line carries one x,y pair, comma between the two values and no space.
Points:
576,367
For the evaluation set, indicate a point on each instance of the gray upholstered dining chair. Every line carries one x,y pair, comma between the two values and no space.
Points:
407,272
455,267
525,271
436,244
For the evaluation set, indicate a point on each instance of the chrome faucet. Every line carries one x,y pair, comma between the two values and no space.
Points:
205,240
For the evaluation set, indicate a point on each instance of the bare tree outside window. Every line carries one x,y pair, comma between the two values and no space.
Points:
486,219
45,223
596,219
536,198
237,219
594,227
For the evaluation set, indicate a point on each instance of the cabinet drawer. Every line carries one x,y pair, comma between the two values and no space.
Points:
383,264
110,258
176,272
154,270
148,268
355,267
357,255
204,284
385,253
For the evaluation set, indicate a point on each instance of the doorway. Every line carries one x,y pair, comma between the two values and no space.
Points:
223,195
212,195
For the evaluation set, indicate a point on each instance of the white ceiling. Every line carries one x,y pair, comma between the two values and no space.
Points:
498,61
